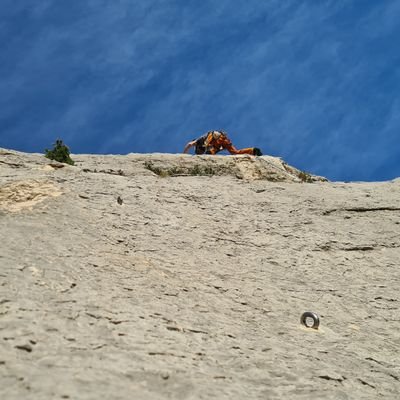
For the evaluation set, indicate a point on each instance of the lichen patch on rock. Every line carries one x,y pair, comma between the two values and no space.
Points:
21,195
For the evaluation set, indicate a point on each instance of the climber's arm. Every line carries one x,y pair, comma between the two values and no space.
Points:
189,145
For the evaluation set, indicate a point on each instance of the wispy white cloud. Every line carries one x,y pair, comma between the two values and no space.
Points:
296,78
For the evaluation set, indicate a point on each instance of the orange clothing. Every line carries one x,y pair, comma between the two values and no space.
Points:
223,143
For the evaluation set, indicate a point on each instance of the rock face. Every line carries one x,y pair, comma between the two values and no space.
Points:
181,277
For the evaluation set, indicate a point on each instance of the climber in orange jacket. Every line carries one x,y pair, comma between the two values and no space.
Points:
215,141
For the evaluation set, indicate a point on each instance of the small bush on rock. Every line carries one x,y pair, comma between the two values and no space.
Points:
59,153
305,177
195,170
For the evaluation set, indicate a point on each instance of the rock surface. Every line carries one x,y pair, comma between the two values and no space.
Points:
171,276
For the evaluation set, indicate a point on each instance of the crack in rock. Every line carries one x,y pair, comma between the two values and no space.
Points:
25,347
366,383
331,378
360,209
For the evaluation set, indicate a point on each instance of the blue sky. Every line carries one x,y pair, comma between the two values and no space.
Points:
314,82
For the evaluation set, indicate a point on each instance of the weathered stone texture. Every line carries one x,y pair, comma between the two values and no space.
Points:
181,277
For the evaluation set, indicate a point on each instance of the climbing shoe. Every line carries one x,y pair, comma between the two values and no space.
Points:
257,151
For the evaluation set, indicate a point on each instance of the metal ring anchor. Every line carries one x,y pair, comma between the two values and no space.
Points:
305,320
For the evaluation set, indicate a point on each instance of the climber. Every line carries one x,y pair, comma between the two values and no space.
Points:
215,141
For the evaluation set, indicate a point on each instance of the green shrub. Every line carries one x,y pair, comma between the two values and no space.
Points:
195,170
157,170
305,177
60,153
201,171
